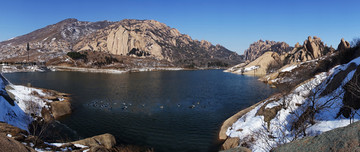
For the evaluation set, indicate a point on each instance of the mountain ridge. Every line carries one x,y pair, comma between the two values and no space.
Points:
128,37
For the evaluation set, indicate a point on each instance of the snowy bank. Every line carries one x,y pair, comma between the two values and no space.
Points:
305,111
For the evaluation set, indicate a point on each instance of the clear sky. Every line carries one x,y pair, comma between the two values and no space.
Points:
234,24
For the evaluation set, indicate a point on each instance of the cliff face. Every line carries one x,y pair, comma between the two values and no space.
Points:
141,38
260,47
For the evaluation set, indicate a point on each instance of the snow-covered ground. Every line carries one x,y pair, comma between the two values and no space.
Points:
252,128
11,68
10,112
288,69
27,100
113,71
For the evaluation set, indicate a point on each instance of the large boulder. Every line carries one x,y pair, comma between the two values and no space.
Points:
60,108
230,143
262,63
106,140
15,132
8,144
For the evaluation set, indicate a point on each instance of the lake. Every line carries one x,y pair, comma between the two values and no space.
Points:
167,110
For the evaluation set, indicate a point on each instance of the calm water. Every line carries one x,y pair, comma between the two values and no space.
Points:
167,110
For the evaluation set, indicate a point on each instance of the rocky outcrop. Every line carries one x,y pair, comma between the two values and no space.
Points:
258,48
340,139
258,66
105,140
230,143
60,108
312,48
10,144
343,45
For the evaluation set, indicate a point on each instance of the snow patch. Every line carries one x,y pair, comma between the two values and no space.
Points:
288,69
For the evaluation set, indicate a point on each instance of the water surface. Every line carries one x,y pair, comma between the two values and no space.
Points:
167,110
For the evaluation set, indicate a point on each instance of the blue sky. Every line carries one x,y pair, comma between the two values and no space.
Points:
234,24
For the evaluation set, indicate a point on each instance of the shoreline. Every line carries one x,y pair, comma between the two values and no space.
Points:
17,69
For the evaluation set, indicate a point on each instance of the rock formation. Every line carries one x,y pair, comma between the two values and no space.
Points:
260,47
258,66
311,49
343,45
9,144
106,140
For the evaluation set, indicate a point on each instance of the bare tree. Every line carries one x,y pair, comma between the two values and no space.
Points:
38,126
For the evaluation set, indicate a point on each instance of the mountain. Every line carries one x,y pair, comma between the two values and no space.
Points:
136,38
259,47
151,38
50,41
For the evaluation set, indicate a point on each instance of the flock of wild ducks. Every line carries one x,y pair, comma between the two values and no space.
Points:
105,105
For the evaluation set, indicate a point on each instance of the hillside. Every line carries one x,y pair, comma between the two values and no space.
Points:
318,95
48,42
127,38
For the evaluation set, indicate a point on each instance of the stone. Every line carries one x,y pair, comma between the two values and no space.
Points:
60,108
237,149
263,62
230,143
106,140
8,144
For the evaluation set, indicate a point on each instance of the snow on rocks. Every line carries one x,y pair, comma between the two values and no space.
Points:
288,69
29,99
10,112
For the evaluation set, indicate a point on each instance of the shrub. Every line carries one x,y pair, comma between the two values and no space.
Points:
77,55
